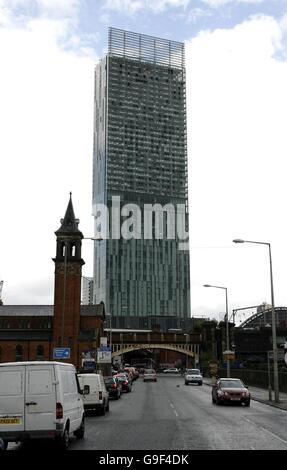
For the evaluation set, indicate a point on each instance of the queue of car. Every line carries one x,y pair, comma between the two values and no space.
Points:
50,400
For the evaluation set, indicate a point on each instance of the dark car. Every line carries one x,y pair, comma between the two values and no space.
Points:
114,387
3,444
125,381
228,390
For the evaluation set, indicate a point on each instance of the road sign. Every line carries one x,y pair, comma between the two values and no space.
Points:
280,355
103,341
105,348
104,357
61,353
117,359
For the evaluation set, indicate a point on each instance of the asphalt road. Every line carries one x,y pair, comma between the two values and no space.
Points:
168,415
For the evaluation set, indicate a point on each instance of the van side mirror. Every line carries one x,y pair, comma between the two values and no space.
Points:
86,390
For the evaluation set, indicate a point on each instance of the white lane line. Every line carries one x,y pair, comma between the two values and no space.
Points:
272,434
266,430
174,410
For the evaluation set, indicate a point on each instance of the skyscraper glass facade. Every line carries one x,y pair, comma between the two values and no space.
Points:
140,158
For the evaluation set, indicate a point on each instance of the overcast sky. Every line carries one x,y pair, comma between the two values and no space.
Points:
236,59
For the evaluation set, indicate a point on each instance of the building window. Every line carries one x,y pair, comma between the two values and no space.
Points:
40,353
19,353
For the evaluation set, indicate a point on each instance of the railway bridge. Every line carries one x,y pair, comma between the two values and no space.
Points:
182,345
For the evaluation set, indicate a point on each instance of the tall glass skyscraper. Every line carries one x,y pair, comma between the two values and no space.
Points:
140,158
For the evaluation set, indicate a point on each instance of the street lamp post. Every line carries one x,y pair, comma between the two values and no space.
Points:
227,326
186,356
274,338
269,377
110,335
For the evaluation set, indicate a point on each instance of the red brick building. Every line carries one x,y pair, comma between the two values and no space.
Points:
31,332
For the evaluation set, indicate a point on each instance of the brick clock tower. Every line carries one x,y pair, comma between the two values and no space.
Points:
67,292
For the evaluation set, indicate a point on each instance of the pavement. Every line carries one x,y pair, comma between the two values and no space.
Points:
262,395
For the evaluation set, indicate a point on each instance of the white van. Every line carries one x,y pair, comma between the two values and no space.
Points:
40,399
95,395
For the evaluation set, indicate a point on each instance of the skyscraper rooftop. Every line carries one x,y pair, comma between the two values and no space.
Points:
146,48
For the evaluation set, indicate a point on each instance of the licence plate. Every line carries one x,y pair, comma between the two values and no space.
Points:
235,398
10,420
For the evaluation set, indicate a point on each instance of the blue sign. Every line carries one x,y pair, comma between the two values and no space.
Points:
61,353
104,349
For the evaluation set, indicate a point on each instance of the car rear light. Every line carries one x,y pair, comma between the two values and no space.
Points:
100,395
59,411
126,382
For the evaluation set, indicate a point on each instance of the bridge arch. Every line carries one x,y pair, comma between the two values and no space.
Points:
188,350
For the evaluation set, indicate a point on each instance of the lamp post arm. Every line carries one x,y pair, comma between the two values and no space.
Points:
257,243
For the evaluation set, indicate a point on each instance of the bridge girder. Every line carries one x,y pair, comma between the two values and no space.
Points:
119,349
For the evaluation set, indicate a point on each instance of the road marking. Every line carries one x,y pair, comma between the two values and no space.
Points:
174,410
266,430
272,434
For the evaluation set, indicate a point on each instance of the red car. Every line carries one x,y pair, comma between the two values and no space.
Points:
228,390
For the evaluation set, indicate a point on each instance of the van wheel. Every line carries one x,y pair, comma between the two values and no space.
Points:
108,406
103,410
63,441
81,431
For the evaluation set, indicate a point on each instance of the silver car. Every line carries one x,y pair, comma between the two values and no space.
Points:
192,376
171,370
